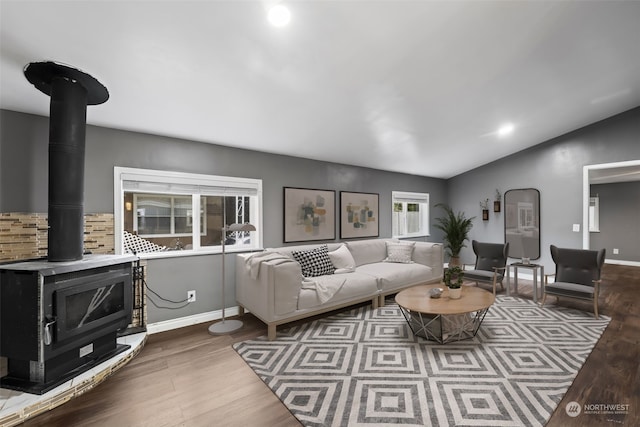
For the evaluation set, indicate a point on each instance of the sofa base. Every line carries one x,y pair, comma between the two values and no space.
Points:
271,326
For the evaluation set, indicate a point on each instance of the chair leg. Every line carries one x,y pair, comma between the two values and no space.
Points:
595,307
544,298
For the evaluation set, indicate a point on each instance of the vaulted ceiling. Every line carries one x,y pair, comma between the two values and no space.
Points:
412,86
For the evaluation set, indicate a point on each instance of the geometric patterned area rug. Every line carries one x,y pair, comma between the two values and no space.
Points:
364,367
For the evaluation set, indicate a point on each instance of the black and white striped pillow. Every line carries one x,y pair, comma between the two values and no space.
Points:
314,262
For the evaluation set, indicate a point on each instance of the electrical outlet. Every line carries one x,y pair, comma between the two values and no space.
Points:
191,296
616,251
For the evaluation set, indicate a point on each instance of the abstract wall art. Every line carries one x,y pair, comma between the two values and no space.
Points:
358,215
309,214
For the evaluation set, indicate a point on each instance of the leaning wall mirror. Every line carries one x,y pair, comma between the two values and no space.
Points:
522,222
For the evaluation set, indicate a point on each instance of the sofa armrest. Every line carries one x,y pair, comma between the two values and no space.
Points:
431,255
275,290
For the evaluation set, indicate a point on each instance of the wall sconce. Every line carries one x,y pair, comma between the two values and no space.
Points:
128,206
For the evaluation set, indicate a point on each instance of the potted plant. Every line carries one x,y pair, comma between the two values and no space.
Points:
456,229
496,202
453,280
485,209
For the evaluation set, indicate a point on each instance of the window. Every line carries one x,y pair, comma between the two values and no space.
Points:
410,214
154,212
525,216
164,216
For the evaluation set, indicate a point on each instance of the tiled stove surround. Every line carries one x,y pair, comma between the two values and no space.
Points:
24,235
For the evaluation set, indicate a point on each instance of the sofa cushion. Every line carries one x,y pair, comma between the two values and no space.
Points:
314,262
393,275
356,285
399,252
368,251
342,260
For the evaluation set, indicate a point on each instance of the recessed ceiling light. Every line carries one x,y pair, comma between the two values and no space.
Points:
505,129
279,15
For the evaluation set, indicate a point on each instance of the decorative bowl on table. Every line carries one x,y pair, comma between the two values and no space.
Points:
435,292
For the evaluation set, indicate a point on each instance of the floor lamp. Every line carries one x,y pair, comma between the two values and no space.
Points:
228,326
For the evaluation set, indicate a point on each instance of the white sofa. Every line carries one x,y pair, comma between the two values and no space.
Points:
271,284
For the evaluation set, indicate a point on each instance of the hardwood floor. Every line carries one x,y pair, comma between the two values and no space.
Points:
187,377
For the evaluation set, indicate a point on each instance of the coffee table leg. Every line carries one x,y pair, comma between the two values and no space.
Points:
444,328
466,329
424,326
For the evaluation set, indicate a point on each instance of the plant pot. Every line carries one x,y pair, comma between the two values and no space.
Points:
485,214
454,293
455,261
496,206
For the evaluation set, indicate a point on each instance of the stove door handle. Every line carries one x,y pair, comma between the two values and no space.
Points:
48,333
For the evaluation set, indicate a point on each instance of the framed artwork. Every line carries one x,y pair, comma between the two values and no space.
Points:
358,215
309,214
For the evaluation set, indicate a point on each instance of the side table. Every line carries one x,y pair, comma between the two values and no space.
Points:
535,268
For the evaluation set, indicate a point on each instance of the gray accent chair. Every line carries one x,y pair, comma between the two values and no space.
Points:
577,275
491,263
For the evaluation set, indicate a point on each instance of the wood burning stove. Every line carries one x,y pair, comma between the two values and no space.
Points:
60,319
60,316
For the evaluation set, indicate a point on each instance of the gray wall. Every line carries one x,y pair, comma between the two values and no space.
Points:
619,220
24,163
555,169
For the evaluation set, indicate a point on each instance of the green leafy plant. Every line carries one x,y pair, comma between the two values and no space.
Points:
484,204
453,277
456,229
498,195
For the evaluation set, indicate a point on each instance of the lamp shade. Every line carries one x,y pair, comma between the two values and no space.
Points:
240,227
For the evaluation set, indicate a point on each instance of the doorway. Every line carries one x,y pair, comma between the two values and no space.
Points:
606,173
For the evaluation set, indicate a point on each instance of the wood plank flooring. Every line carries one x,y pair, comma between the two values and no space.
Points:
187,377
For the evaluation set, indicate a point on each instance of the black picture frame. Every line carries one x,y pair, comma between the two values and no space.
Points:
359,215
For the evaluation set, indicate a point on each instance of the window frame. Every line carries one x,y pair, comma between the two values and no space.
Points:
200,185
406,198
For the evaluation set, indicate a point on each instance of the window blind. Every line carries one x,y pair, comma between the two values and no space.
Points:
406,197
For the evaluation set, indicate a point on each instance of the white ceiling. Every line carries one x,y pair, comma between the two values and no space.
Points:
411,86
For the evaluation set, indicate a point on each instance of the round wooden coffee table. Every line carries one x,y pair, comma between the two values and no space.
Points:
444,319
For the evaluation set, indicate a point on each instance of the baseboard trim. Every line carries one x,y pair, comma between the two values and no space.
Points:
181,322
622,262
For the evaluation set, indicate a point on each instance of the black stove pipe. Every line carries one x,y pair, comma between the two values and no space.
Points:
67,126
71,91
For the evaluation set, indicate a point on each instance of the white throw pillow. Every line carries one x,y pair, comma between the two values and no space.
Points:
342,260
399,252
